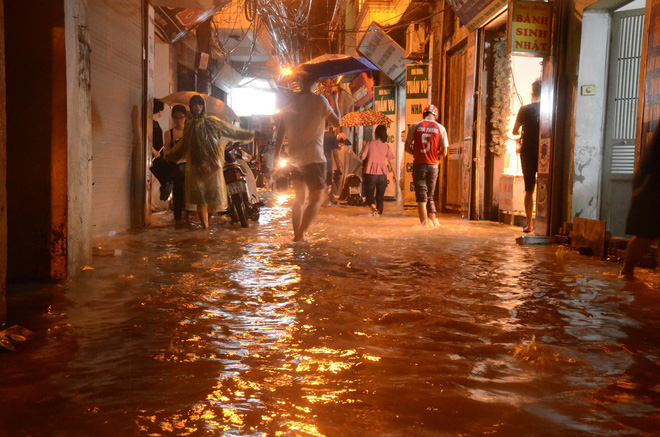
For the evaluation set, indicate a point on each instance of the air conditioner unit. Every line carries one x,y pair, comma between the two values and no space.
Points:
416,41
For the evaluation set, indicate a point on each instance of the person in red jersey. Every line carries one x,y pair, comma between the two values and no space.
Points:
427,142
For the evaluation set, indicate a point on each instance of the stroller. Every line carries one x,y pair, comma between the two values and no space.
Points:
353,190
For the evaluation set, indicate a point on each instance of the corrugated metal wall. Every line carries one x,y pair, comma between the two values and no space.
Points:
117,92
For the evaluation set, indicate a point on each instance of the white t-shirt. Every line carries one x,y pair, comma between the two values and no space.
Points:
304,118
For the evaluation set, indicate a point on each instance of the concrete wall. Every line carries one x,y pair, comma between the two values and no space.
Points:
79,122
36,139
590,115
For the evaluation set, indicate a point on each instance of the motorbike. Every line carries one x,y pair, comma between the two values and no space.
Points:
282,175
244,201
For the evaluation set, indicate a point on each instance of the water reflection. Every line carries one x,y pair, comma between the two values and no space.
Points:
376,326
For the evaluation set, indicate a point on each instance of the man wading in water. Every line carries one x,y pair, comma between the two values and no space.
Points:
303,122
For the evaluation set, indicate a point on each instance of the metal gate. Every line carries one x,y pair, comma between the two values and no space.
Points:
620,130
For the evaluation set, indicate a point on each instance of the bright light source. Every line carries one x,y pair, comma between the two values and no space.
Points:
252,101
286,71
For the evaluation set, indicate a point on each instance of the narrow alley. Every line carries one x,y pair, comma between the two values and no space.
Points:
374,327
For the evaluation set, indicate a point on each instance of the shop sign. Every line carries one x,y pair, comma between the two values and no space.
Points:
530,28
385,102
361,89
384,53
417,97
176,22
474,13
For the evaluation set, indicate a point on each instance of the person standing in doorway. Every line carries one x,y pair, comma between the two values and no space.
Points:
156,143
528,119
203,145
303,122
643,222
173,136
376,155
426,141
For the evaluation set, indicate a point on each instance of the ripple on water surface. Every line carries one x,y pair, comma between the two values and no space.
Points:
375,326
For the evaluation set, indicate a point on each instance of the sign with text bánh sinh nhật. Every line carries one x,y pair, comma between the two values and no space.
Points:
530,28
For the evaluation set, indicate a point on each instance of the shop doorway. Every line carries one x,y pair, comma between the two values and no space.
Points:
524,71
505,86
621,118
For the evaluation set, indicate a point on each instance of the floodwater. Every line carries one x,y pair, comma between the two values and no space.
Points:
374,327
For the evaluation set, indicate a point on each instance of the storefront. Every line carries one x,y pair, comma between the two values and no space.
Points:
484,87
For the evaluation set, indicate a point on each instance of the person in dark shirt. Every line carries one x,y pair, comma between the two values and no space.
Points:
528,119
643,222
330,147
157,146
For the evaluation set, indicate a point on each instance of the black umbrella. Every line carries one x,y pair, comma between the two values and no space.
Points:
332,65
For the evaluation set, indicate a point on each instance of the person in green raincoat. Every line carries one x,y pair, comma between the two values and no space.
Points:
203,145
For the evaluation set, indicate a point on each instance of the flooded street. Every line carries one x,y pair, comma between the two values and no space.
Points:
374,327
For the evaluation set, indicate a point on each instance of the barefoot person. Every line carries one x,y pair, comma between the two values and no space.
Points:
528,119
643,222
303,123
426,141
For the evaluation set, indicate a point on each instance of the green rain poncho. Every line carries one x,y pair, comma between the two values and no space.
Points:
203,145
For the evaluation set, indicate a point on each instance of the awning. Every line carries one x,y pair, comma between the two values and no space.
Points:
174,22
474,13
227,78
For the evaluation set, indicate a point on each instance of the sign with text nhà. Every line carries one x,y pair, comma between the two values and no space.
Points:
530,28
385,102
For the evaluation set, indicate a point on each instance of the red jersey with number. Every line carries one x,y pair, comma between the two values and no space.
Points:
428,138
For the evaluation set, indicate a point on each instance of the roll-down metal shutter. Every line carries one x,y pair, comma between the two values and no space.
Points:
115,29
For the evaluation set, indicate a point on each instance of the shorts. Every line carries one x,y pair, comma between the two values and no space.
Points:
425,178
644,215
314,175
530,165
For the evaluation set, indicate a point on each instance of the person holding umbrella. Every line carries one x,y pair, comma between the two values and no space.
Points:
203,145
303,123
376,155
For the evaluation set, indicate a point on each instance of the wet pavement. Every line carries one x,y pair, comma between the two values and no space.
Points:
374,327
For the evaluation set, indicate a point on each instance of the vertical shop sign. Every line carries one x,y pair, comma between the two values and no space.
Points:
651,96
530,28
385,102
417,96
474,13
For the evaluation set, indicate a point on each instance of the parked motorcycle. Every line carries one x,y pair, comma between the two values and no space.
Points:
244,202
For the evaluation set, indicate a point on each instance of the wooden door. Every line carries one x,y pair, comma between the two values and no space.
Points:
454,117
